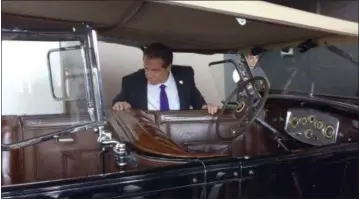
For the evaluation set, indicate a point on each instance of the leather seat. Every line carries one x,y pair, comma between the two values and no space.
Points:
175,133
195,130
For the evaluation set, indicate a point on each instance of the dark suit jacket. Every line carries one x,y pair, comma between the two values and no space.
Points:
134,89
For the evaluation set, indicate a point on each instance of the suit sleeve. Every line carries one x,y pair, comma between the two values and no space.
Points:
122,96
197,100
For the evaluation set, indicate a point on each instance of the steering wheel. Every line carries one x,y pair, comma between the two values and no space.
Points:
249,104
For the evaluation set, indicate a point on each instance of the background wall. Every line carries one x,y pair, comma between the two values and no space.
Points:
343,9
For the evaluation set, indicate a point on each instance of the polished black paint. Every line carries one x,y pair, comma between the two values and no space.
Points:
322,172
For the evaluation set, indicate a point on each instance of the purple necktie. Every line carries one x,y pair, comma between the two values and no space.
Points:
163,99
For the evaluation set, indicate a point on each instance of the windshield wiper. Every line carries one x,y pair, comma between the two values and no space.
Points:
289,82
342,54
310,43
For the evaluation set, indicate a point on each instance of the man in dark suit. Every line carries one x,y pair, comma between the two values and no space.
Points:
161,86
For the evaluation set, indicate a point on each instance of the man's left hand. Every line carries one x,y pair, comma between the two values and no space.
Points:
212,108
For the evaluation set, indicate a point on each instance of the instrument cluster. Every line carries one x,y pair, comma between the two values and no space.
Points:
311,126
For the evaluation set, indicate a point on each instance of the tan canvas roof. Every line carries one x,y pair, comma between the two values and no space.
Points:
183,25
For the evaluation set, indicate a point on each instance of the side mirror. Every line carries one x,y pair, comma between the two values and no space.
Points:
287,52
55,59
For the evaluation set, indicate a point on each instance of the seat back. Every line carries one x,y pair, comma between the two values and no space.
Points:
195,130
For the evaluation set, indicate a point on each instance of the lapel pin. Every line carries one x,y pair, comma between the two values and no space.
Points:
181,82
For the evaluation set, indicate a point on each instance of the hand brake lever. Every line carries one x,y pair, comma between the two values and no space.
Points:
278,136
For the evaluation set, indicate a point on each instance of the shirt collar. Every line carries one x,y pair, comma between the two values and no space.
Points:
169,80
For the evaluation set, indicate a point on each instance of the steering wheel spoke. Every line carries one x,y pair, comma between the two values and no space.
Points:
248,105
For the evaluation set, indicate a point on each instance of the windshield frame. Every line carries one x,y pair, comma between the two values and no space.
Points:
88,38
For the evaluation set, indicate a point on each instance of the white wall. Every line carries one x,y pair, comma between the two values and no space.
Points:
118,60
25,79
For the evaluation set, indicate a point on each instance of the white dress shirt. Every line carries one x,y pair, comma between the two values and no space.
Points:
153,95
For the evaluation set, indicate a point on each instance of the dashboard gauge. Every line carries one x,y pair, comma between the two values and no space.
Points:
304,120
329,131
319,125
311,118
294,122
308,133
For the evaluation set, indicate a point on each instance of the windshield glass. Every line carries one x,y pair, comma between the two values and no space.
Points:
318,70
35,85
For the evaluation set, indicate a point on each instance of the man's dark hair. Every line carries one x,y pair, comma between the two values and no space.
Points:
158,50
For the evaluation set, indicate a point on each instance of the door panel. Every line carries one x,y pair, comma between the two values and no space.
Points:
12,165
56,159
67,157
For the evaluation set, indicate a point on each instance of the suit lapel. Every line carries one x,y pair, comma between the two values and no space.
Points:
181,90
142,92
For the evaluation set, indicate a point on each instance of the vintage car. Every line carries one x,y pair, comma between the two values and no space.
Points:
266,140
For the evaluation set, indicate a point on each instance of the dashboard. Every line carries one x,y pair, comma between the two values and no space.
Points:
311,126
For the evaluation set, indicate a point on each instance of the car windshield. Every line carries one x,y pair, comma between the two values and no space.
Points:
318,71
52,87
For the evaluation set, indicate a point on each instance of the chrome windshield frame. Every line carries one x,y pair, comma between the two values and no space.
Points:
88,39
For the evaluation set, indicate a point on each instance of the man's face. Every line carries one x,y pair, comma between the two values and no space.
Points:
252,60
155,71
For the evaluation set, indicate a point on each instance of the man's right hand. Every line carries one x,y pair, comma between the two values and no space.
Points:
121,106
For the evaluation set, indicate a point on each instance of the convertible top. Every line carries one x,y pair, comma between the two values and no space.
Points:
185,26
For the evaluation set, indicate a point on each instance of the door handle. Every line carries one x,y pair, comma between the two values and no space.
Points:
65,139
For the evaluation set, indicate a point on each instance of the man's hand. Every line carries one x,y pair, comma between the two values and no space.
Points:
121,106
212,108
